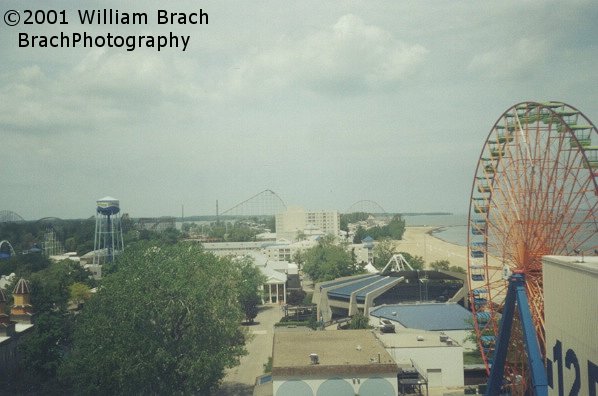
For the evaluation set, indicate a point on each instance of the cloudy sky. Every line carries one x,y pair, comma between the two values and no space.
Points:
325,103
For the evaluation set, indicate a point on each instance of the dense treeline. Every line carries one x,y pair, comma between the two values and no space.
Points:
231,231
42,350
355,217
73,235
393,230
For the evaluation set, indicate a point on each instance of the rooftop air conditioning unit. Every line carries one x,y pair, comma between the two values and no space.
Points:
315,359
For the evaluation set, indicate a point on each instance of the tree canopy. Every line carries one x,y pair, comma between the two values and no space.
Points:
416,262
446,266
383,252
393,230
41,351
167,322
440,265
251,279
359,321
327,261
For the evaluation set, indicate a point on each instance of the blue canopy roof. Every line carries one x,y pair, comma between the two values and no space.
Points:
345,291
432,317
362,293
346,280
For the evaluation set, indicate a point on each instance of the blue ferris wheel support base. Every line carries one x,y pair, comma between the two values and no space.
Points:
517,293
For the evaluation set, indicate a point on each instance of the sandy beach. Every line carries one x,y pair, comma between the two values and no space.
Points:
417,241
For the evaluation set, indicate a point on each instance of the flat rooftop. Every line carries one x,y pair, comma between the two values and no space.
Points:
586,264
427,316
408,338
339,352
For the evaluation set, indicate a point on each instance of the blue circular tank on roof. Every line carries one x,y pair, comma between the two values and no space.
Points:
108,206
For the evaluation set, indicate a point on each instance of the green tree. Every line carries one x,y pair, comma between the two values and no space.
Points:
455,268
298,259
416,262
79,292
440,265
359,321
170,235
268,365
360,234
296,297
251,279
23,265
327,261
383,252
352,218
167,322
241,234
396,227
42,350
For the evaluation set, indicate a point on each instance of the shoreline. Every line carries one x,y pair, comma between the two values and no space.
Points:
420,241
442,228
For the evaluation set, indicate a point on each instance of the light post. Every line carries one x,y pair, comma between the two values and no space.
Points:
419,282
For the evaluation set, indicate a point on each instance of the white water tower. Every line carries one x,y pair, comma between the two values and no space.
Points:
108,240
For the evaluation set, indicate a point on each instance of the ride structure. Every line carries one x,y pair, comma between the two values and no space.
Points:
108,240
8,216
539,381
6,250
534,193
264,203
367,206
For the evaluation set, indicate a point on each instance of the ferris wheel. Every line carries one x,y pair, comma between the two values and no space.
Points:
534,193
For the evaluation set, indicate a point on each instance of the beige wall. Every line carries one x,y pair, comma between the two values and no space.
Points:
571,320
296,219
449,360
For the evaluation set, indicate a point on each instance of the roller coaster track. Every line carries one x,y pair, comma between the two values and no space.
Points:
366,205
266,202
8,216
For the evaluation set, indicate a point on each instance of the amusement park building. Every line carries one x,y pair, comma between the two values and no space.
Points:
296,220
321,363
360,293
571,319
281,277
437,358
446,319
282,250
13,327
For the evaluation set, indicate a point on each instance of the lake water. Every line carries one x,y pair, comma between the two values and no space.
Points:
453,229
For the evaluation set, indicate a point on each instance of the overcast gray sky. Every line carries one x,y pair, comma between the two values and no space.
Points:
324,102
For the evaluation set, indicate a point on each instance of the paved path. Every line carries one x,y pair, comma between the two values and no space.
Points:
239,380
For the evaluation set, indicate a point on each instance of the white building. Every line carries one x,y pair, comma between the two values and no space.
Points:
438,359
285,250
232,248
281,276
296,221
321,363
571,319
